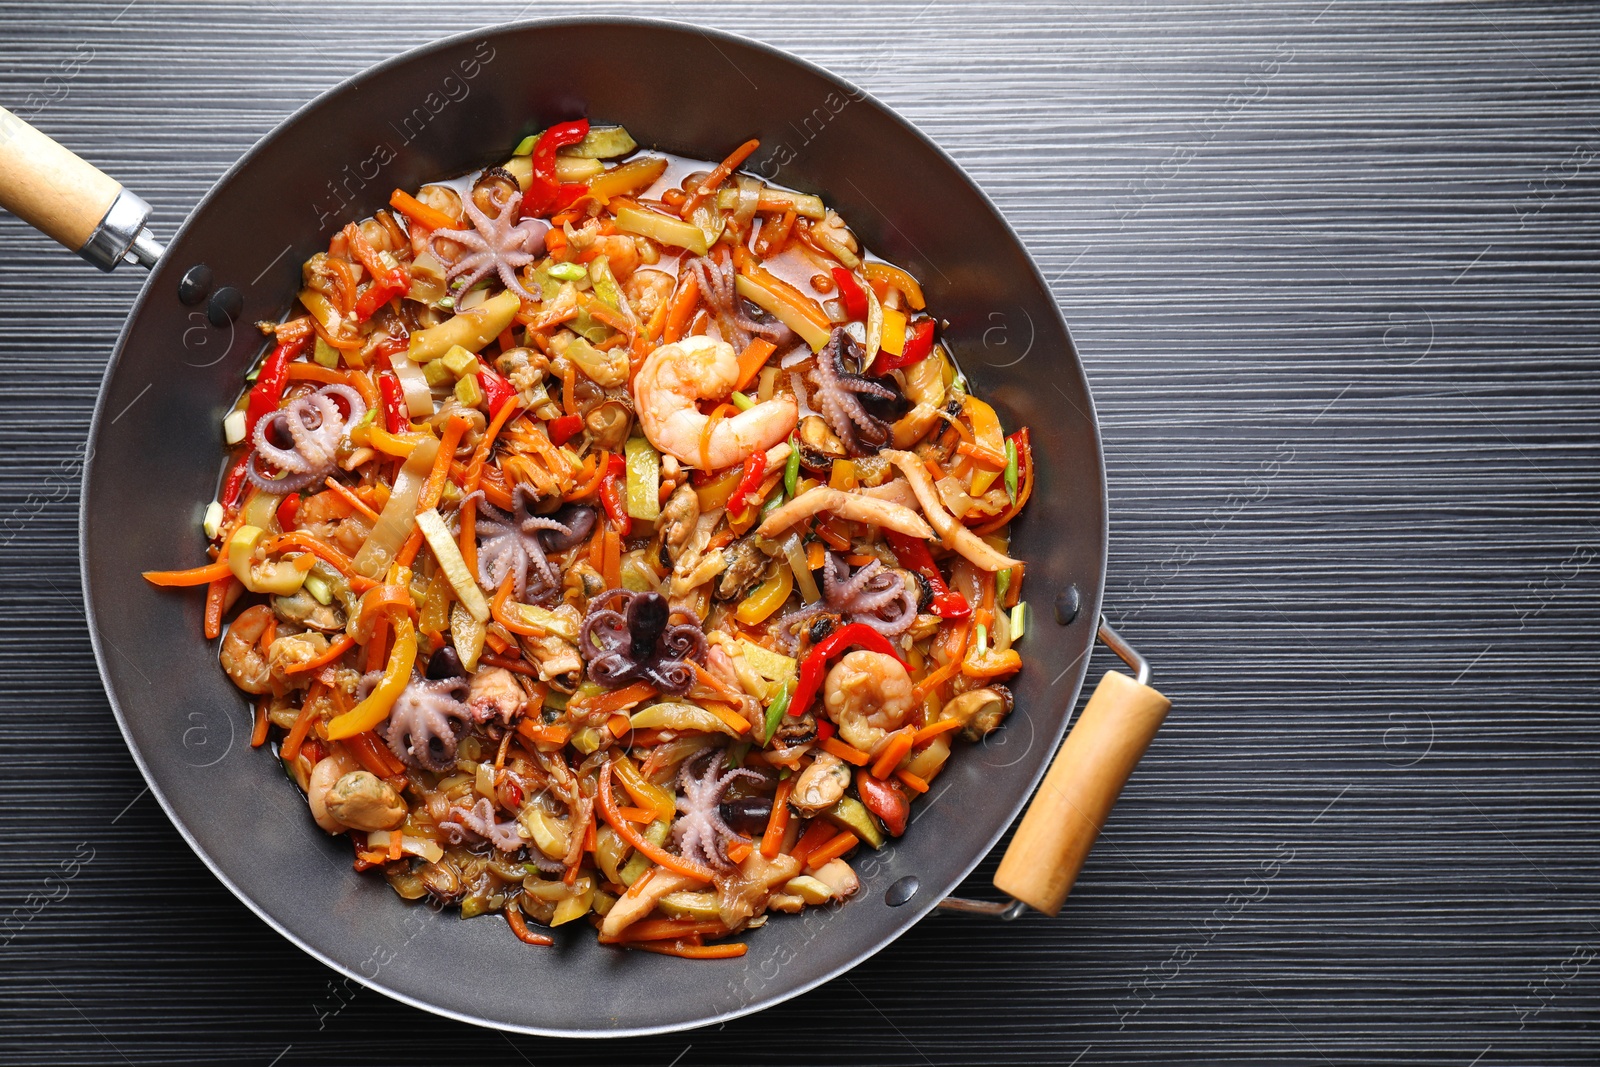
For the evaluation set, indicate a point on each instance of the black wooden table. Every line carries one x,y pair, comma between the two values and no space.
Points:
1332,269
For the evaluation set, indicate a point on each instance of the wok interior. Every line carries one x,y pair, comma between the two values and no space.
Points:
440,112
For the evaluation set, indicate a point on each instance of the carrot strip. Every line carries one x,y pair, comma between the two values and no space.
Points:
638,815
319,548
778,821
377,653
913,782
738,852
735,722
987,456
667,930
598,462
258,736
692,952
193,576
849,753
719,175
409,548
832,850
433,488
818,832
897,748
350,498
681,308
497,608
554,734
618,724
374,756
569,388
420,213
520,928
956,646
934,729
616,700
608,811
216,603
613,560
316,372
338,647
753,358
302,725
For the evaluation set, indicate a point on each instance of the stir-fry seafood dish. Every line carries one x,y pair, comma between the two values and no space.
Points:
609,536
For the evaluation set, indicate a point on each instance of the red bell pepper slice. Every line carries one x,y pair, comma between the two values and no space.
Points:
389,278
816,661
496,390
396,412
287,510
755,466
919,344
613,494
851,295
233,484
267,393
914,556
545,192
564,428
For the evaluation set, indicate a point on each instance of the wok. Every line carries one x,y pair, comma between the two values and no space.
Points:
439,111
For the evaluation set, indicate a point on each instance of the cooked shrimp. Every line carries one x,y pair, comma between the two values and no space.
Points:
329,517
675,376
242,655
867,694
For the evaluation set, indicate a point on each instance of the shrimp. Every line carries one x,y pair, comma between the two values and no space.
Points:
242,655
329,517
677,375
867,694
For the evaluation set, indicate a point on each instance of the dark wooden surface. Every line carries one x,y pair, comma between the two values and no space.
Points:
1331,267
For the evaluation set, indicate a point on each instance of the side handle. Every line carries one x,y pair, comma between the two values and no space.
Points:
65,197
1078,793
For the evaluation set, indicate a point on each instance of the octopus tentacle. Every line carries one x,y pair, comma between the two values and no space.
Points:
500,245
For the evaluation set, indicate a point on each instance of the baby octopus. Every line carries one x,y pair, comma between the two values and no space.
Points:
500,244
838,396
512,547
879,597
639,642
313,425
427,721
701,833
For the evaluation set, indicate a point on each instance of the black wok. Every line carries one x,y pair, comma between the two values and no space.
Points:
440,111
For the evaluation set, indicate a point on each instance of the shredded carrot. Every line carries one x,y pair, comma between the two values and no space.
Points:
554,734
217,603
715,684
934,729
468,515
956,647
912,781
719,175
725,951
832,850
816,555
652,851
613,560
514,911
738,852
374,756
638,815
350,498
778,821
316,372
616,700
734,721
302,724
433,488
420,213
752,359
515,666
376,645
718,413
594,469
832,537
258,736
988,457
618,724
569,388
193,576
496,642
667,930
497,608
409,547
849,753
895,749
681,308
818,832
338,647
306,543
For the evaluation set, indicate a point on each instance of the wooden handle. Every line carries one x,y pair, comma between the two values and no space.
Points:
51,189
1078,793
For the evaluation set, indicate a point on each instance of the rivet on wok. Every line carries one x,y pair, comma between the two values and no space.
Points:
195,284
1067,604
902,891
225,306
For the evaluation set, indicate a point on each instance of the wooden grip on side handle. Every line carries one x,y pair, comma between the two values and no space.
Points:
1077,794
50,188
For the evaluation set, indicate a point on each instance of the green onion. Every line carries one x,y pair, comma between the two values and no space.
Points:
776,710
1002,585
791,469
1011,470
567,272
742,402
1019,620
982,638
317,586
736,754
525,146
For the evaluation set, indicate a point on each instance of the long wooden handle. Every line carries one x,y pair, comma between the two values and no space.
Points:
48,187
1078,793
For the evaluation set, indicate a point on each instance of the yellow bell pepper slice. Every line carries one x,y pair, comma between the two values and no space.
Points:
893,276
893,339
765,598
644,792
986,428
396,675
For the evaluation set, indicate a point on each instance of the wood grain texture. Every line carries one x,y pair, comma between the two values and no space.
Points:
1332,269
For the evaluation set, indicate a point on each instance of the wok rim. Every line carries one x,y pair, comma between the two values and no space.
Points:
1093,597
